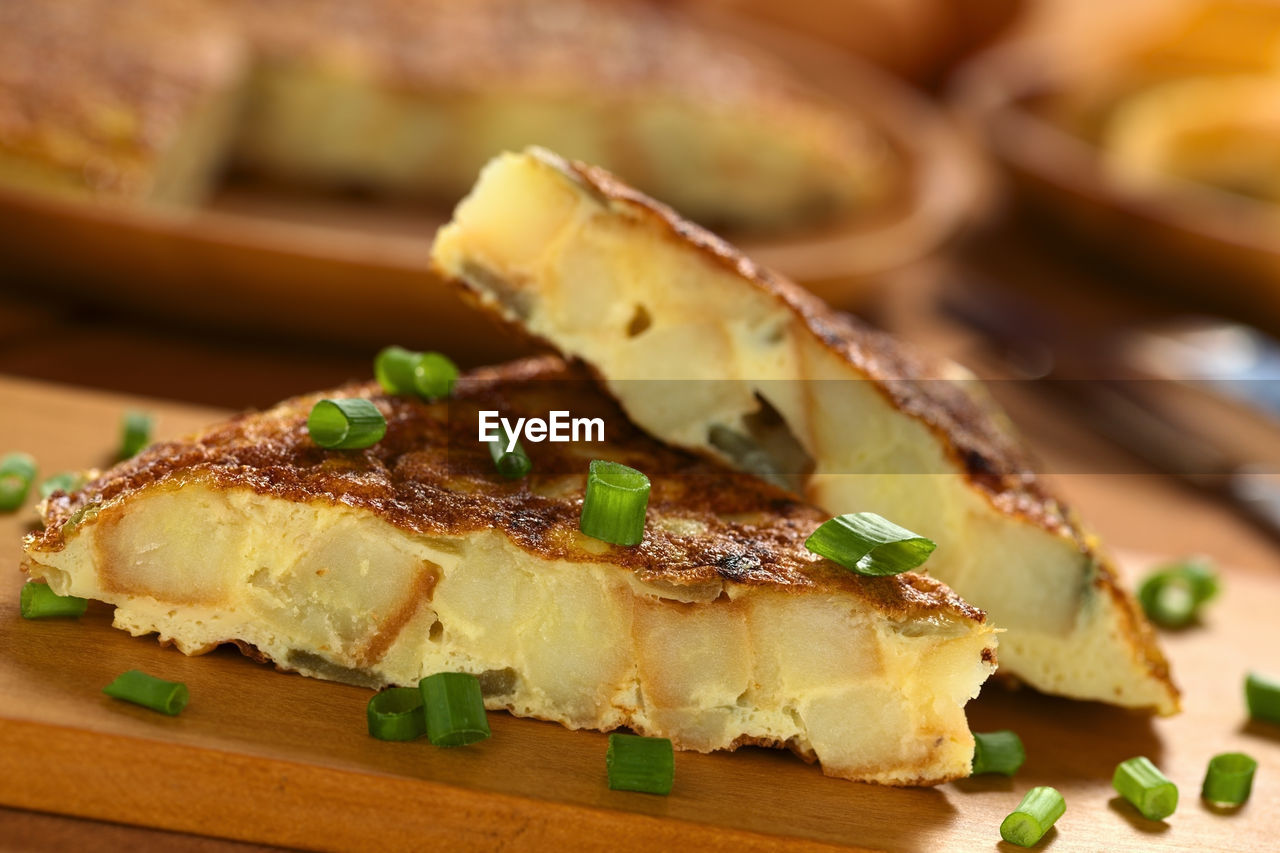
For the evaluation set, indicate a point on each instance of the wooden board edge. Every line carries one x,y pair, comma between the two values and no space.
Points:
209,792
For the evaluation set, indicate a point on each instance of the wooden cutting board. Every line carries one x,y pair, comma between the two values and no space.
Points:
269,757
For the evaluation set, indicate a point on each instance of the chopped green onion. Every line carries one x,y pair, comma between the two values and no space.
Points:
644,764
613,509
348,423
38,601
1262,695
868,544
455,709
997,752
167,697
1038,811
1172,595
135,433
1144,786
67,481
17,470
394,369
83,514
397,714
434,375
1229,779
1201,576
427,374
512,464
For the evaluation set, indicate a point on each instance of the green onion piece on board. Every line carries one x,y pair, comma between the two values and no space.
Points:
1173,595
1038,811
512,464
868,544
66,481
613,509
1262,695
393,367
434,375
1146,788
644,764
349,423
455,709
38,601
397,714
1229,779
167,697
997,752
135,433
17,471
1201,576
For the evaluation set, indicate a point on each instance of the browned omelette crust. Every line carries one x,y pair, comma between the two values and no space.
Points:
99,88
974,431
430,475
96,90
523,46
614,60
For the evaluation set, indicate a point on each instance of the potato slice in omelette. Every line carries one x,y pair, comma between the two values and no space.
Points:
414,556
707,351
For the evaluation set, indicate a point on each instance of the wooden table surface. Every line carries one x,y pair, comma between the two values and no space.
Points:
744,800
228,768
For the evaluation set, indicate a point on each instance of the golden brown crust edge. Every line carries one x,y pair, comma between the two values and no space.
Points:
96,91
430,475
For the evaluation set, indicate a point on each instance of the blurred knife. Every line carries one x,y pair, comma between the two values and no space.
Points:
1235,360
1109,375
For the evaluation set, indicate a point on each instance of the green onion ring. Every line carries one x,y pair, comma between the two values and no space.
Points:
1173,595
613,508
348,423
39,601
1228,781
17,471
167,697
434,375
135,433
455,709
1146,788
394,369
431,375
997,752
1034,816
1262,695
643,764
397,713
869,544
512,464
65,481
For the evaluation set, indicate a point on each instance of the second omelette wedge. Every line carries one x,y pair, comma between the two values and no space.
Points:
708,351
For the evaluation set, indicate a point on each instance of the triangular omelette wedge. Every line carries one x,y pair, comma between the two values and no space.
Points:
410,98
380,566
707,351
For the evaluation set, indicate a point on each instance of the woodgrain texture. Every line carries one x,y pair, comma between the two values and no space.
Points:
281,759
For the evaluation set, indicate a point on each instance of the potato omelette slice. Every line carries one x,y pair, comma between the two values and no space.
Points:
383,565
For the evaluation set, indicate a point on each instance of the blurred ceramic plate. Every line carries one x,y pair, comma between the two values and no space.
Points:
1199,245
267,260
